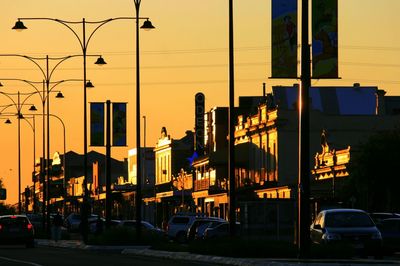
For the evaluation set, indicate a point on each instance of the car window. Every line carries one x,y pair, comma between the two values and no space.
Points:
390,225
13,221
348,219
180,220
129,223
223,228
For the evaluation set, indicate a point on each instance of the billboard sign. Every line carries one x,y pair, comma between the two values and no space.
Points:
284,39
324,39
96,124
119,124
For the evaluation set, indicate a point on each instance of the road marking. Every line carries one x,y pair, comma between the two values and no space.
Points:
21,261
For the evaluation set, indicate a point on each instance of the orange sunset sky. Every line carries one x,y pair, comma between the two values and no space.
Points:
186,53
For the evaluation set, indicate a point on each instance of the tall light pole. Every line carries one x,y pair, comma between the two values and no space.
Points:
84,42
47,73
47,88
146,25
231,147
304,136
33,127
18,105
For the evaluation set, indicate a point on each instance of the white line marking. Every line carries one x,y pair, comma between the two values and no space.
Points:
21,261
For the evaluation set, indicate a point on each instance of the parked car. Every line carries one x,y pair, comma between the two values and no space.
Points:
145,225
36,220
220,230
390,231
93,224
178,225
73,221
16,229
197,227
348,226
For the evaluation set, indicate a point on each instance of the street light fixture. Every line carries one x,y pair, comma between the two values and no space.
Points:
84,42
44,96
47,74
33,127
18,105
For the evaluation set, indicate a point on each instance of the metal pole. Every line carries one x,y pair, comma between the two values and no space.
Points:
231,159
43,163
34,164
85,205
19,155
47,98
139,162
64,171
304,142
108,164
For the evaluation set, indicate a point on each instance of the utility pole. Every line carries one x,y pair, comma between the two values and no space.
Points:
304,140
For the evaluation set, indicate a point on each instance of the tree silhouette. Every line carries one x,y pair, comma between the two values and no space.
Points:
374,178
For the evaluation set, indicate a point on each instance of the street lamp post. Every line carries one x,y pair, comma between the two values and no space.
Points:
33,127
84,42
47,75
18,105
231,147
146,25
44,96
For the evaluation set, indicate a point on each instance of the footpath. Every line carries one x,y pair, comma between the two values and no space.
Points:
185,256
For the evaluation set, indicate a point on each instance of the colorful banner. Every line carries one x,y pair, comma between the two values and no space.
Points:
119,124
96,124
325,38
284,39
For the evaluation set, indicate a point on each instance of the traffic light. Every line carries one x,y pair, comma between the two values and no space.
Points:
3,194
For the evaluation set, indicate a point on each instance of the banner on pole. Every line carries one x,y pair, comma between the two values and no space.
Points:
96,124
284,39
324,39
119,124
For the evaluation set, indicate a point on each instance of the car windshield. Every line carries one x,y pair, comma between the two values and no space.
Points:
13,221
348,219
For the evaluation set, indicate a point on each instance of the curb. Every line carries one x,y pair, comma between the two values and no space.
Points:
186,256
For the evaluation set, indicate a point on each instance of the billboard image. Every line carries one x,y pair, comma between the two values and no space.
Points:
284,39
119,124
97,124
324,39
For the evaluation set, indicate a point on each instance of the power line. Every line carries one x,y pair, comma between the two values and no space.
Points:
247,64
223,49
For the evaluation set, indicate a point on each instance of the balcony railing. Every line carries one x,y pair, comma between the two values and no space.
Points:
202,184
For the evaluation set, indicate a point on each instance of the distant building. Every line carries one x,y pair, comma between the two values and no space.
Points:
173,174
267,140
68,182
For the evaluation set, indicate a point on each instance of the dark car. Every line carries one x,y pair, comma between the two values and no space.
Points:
198,226
220,230
351,227
36,220
72,221
16,229
146,226
390,231
93,224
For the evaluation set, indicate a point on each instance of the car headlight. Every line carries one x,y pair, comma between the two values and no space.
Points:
330,236
376,235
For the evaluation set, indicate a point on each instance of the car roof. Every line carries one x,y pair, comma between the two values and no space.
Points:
13,215
343,210
390,219
384,214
